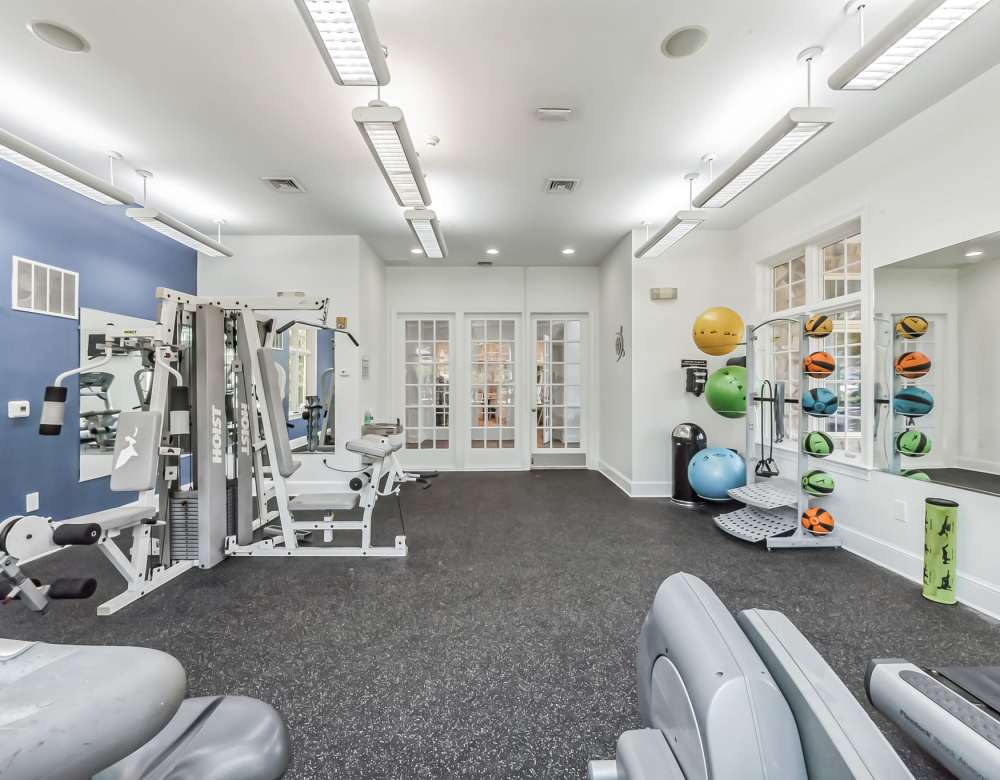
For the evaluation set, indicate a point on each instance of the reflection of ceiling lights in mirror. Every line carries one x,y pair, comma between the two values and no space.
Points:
492,251
974,253
59,36
682,224
384,130
684,42
795,129
41,163
569,251
178,231
921,25
345,36
427,230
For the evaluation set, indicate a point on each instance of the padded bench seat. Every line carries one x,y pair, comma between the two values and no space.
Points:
320,502
372,446
116,518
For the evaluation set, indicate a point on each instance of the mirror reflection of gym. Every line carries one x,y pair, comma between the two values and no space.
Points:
107,388
935,320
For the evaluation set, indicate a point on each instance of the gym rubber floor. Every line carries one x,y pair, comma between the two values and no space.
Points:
504,646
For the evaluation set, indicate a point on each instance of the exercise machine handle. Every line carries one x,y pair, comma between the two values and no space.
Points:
76,533
72,588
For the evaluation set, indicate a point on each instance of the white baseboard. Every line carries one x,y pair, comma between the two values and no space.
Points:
970,591
616,478
652,489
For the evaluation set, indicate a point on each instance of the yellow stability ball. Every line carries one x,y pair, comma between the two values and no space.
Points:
718,330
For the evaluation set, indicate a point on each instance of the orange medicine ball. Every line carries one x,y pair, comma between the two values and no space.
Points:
819,364
817,521
913,365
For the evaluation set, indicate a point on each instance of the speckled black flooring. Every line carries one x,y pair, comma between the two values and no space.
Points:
504,646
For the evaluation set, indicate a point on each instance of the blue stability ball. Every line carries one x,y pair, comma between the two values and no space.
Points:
715,471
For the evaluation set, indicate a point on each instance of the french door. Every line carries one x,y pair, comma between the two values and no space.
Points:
425,367
559,388
493,435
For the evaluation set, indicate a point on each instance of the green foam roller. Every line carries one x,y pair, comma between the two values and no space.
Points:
940,541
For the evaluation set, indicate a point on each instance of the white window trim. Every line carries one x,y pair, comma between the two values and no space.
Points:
816,304
15,259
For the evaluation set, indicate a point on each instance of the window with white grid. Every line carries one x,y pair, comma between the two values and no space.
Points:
842,267
427,388
491,403
558,383
822,271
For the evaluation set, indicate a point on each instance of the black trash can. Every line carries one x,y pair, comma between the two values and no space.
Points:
686,441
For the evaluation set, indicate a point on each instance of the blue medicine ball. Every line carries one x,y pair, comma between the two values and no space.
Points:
819,402
913,402
715,471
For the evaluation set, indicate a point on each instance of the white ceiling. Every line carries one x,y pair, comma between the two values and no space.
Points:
213,94
954,256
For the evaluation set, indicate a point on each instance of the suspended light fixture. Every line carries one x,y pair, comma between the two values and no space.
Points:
345,35
384,130
921,25
174,228
793,130
36,160
678,227
427,230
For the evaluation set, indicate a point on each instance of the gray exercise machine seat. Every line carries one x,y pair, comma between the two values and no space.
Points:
212,738
270,395
372,446
116,518
838,738
69,712
703,685
322,502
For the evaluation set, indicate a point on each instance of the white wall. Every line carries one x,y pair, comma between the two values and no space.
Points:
520,291
320,266
701,267
616,376
979,289
931,183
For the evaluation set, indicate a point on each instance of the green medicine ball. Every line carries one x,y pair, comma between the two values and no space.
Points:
913,443
726,391
920,476
817,483
817,444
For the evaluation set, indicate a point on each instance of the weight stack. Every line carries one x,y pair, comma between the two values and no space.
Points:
940,542
183,511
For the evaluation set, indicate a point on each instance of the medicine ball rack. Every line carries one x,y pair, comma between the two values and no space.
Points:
900,383
773,507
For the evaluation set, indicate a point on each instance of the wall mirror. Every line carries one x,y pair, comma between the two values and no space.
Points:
935,367
120,385
308,353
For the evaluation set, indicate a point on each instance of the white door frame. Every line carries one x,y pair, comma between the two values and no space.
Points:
586,378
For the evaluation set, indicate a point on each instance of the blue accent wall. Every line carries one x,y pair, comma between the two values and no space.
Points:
121,263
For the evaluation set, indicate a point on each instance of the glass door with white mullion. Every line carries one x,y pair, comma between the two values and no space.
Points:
558,420
493,439
427,410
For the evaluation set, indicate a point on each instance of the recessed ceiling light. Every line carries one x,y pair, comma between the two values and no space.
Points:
56,35
569,251
974,253
416,251
492,251
684,42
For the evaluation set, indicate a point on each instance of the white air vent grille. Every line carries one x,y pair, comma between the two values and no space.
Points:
283,184
44,289
561,186
553,114
485,263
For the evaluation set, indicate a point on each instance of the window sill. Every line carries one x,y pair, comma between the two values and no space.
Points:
835,464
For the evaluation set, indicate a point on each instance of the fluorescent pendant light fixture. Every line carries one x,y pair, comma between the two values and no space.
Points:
921,25
794,130
682,224
345,35
425,226
384,130
178,231
38,161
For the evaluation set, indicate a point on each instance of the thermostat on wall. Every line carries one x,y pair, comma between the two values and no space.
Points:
663,293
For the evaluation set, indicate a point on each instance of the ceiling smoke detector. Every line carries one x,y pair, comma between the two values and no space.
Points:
554,114
283,184
561,186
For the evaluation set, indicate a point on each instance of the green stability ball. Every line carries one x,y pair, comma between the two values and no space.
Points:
726,391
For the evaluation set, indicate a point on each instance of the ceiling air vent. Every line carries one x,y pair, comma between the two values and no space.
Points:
485,263
283,184
561,186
